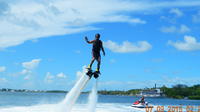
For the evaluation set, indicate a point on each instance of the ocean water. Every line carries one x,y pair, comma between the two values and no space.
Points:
49,102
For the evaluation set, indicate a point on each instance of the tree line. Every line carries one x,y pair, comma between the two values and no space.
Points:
181,91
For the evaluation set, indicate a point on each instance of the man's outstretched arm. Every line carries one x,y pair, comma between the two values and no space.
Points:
89,42
103,50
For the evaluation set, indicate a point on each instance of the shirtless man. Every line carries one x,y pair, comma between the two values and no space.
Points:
97,47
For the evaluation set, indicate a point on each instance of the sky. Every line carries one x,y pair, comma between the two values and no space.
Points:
147,42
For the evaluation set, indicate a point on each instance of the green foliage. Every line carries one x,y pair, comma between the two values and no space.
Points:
182,91
194,97
129,92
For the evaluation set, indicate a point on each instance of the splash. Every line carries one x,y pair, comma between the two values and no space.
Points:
74,93
101,107
93,97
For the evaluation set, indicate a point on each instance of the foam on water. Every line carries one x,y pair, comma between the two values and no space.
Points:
101,107
92,100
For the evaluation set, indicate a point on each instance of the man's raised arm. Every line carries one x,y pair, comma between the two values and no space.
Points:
89,42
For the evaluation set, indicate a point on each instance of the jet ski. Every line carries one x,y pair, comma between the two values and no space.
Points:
139,104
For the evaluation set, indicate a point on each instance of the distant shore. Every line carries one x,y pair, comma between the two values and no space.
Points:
33,91
178,91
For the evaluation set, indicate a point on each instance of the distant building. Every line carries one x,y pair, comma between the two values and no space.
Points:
155,92
150,93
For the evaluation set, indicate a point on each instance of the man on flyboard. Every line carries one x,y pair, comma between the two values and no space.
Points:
97,47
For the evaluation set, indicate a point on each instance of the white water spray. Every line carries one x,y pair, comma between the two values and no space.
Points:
74,93
93,98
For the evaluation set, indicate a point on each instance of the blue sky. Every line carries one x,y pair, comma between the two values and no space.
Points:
146,42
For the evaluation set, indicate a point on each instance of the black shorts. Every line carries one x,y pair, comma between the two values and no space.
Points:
96,55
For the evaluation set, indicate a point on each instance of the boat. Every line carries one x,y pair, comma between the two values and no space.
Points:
139,104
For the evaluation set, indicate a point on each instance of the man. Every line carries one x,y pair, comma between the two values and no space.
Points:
97,47
142,100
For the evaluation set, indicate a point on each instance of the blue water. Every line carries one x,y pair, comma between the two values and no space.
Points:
9,99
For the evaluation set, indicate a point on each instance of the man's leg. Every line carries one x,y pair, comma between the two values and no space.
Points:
92,61
99,63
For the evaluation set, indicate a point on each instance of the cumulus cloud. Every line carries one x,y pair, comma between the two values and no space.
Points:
59,78
61,75
31,64
196,18
2,68
23,20
189,44
27,77
27,74
177,12
136,20
49,78
184,29
25,71
29,68
169,29
128,47
174,29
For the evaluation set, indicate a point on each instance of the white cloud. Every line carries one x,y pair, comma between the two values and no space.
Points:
31,64
61,75
58,79
174,29
169,19
23,20
25,71
189,44
196,18
49,78
137,20
128,47
27,77
169,29
2,68
29,67
177,12
184,29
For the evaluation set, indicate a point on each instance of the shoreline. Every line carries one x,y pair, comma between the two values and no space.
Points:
178,91
99,92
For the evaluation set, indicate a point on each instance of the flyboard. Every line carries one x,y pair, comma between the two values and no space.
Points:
91,73
75,92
